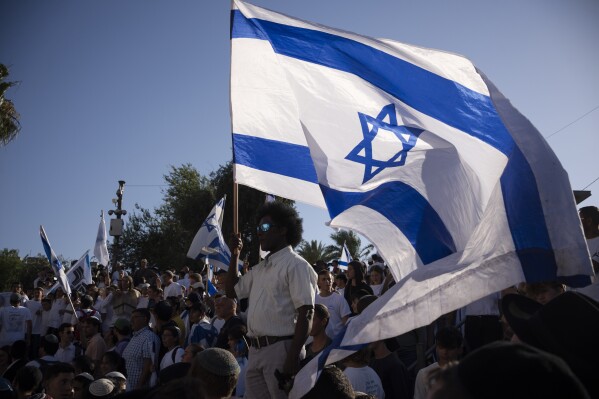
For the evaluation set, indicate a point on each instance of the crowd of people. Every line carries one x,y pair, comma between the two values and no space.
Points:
155,334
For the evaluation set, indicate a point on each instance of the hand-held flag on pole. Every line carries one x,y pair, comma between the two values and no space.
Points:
413,148
209,242
345,257
78,275
55,263
101,247
210,288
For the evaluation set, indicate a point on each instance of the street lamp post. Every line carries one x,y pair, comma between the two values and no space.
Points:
116,225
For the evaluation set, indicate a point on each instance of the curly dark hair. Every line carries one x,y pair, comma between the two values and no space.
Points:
285,216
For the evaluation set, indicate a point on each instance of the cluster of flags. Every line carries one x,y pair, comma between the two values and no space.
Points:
413,148
80,273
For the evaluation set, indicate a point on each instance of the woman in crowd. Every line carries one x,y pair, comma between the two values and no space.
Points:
355,280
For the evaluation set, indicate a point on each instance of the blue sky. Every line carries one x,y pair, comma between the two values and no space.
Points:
117,90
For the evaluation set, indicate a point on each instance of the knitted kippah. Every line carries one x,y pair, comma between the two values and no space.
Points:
101,387
218,361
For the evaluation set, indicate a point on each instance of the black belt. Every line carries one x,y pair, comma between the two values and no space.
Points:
259,342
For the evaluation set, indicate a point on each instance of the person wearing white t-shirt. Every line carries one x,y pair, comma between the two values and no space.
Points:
35,307
449,345
15,322
170,339
362,377
170,287
336,304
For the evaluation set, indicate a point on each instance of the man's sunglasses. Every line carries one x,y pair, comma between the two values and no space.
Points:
264,227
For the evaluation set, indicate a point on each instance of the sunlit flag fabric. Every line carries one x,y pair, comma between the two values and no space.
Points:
78,275
209,242
101,246
411,147
345,257
55,263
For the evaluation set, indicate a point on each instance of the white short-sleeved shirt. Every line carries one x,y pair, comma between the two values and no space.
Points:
167,359
13,321
422,378
36,319
276,287
173,289
364,379
338,309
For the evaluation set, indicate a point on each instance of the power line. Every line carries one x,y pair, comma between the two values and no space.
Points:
589,185
571,123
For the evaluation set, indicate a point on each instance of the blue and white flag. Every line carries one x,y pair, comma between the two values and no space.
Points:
209,242
79,275
210,288
55,263
413,148
345,258
101,246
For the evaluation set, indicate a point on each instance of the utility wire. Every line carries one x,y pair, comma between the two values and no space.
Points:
571,123
589,185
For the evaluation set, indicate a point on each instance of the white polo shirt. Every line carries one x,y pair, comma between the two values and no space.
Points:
276,287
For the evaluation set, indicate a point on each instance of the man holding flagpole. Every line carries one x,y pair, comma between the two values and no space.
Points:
281,289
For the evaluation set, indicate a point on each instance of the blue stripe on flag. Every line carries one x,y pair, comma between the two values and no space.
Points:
431,94
410,212
273,156
523,208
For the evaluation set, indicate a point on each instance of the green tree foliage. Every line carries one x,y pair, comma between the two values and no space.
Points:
315,250
249,202
13,268
163,235
9,117
353,243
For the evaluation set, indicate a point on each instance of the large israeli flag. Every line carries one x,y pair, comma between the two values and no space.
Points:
413,148
209,242
55,262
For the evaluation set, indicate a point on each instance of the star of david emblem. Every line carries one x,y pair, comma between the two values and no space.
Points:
209,223
362,153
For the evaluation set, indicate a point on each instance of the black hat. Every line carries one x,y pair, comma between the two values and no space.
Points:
567,326
512,370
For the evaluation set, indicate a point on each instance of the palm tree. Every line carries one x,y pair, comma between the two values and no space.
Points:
313,251
353,243
9,117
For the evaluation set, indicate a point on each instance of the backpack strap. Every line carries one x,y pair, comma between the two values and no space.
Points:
174,353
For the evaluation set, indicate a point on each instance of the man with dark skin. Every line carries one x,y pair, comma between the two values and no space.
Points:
281,289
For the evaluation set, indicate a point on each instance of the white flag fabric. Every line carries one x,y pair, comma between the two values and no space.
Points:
79,275
413,148
345,258
55,263
101,247
209,242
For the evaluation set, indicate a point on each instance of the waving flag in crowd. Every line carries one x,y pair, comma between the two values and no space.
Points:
345,257
55,263
101,247
78,275
209,242
411,147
